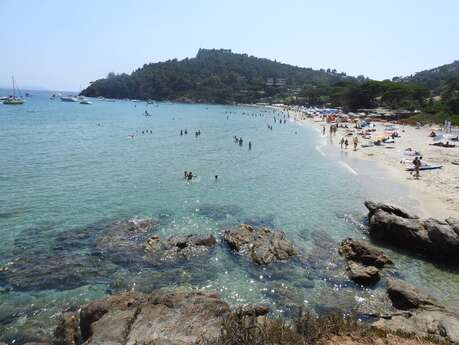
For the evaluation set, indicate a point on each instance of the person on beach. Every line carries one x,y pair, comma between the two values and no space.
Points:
356,142
323,130
346,144
417,166
342,143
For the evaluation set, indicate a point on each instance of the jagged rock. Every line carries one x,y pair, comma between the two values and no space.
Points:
373,206
175,248
421,314
159,318
363,261
438,324
364,253
262,246
454,223
363,275
433,238
405,296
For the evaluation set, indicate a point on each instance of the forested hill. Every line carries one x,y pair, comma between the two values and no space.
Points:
435,79
215,75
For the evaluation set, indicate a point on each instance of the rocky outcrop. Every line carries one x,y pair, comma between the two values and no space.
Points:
157,318
405,296
363,253
177,248
364,261
262,246
420,314
433,238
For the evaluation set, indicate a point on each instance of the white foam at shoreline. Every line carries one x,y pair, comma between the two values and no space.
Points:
348,167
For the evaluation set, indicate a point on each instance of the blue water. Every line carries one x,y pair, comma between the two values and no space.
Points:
67,166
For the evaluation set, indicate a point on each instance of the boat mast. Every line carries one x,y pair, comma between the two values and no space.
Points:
14,92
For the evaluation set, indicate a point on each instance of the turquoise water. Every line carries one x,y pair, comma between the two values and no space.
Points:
67,166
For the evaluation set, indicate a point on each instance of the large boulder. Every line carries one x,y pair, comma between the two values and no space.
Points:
364,253
373,206
405,296
262,246
421,314
438,240
363,275
157,318
364,261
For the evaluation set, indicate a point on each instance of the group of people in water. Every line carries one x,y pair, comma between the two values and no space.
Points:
240,141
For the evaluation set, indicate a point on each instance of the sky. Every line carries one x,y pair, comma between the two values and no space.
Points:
64,45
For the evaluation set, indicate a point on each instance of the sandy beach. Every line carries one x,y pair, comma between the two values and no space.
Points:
436,191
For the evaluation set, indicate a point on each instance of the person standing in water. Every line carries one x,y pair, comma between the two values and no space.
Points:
356,142
181,132
250,145
342,143
346,144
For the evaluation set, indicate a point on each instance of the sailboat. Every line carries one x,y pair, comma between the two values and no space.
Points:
13,100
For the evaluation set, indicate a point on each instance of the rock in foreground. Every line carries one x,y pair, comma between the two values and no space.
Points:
158,318
262,246
422,315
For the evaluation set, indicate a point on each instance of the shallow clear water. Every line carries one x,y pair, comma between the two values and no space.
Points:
67,166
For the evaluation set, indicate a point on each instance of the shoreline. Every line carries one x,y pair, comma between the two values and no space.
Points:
435,193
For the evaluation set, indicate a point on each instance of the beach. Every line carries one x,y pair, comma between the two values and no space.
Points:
436,191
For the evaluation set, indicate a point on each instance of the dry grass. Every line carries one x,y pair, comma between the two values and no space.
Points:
308,329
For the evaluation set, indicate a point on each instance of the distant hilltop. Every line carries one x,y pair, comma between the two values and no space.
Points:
221,76
215,76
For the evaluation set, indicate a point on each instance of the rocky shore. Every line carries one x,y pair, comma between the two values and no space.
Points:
189,316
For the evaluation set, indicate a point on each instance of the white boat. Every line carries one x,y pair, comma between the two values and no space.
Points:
13,100
69,99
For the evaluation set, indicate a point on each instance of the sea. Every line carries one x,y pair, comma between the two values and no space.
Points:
69,171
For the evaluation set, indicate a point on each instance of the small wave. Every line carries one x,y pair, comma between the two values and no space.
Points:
319,149
352,171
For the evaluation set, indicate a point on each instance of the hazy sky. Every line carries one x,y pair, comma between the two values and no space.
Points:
63,44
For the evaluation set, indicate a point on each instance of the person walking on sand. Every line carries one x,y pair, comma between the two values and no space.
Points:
417,166
346,144
342,143
356,142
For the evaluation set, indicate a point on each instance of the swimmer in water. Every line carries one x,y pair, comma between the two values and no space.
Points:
216,178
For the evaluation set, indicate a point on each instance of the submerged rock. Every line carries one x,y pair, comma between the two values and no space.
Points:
262,246
219,212
182,247
433,238
55,272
